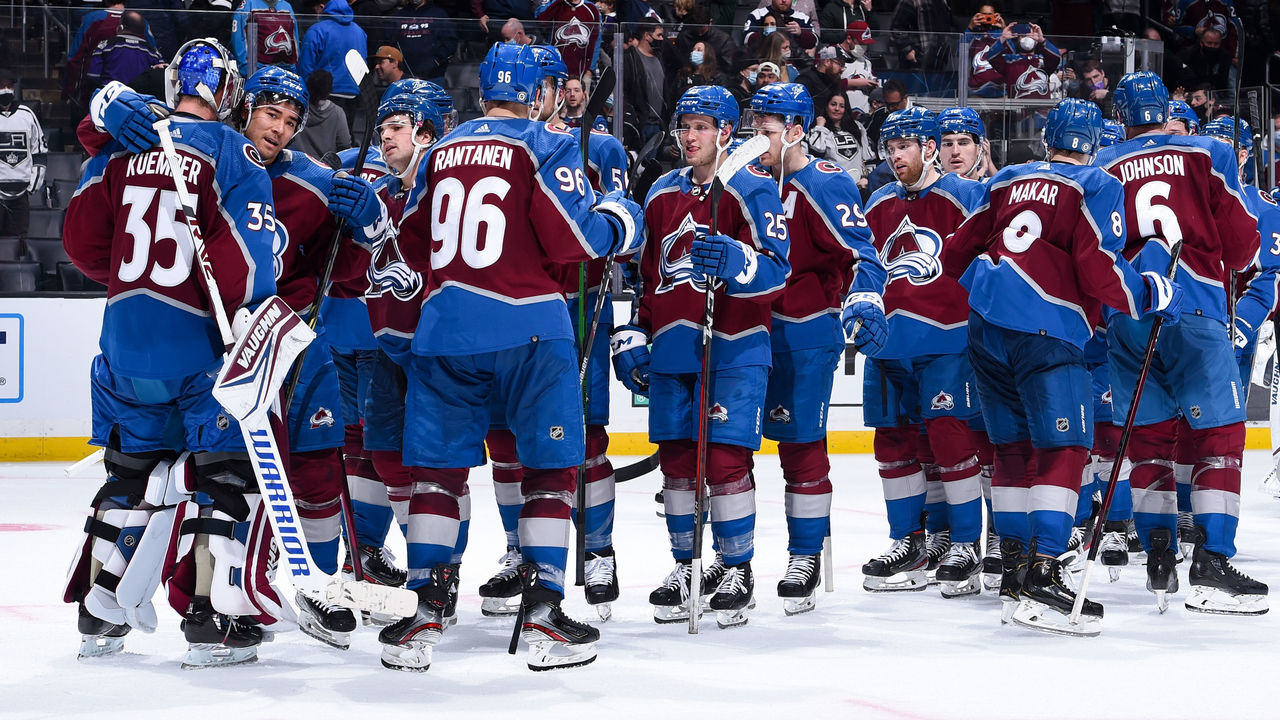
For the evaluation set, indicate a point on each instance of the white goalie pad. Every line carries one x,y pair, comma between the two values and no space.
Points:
258,364
244,570
130,547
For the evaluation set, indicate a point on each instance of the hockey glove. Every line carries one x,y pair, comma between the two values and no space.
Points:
627,220
127,116
864,322
629,346
723,257
1164,298
1242,337
353,198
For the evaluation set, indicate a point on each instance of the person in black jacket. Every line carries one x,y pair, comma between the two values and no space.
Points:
698,29
645,77
426,36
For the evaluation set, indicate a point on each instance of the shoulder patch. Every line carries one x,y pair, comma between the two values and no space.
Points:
251,153
829,167
758,172
556,130
1266,197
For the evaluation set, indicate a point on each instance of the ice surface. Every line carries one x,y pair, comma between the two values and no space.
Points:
858,655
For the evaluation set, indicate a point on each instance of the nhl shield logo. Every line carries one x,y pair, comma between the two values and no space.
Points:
1195,411
943,401
1063,424
222,422
780,415
717,412
557,432
322,418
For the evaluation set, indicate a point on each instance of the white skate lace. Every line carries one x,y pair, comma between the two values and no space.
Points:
510,561
898,550
600,570
678,579
960,554
320,604
799,569
1114,541
1077,538
734,581
384,555
937,543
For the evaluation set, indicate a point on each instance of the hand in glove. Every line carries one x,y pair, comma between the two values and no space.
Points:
1164,298
353,198
629,346
127,116
723,257
864,322
627,220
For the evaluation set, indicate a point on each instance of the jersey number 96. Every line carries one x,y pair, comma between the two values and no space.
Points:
457,212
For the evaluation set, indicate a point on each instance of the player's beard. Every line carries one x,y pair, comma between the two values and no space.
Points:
913,173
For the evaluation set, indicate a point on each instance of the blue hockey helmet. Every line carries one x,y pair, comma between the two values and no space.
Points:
790,100
431,91
201,68
419,109
406,85
550,63
1112,133
711,100
1073,125
914,122
272,85
1179,110
509,73
1228,130
1141,99
962,120
601,123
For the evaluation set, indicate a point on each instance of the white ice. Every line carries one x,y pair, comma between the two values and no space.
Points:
861,655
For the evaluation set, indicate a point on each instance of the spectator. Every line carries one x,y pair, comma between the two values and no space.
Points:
326,128
1123,15
796,25
125,56
166,22
496,15
823,79
836,17
919,34
743,83
1202,102
698,29
1025,60
1207,62
574,31
113,10
425,35
859,78
701,67
768,26
807,7
777,50
1190,20
608,28
276,30
894,96
325,47
675,15
388,64
575,102
1095,86
983,31
768,73
211,19
838,138
96,28
513,32
644,103
23,141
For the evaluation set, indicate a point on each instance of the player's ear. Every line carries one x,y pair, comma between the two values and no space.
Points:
794,133
726,134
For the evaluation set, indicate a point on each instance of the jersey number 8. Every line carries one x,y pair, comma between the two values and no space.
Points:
456,216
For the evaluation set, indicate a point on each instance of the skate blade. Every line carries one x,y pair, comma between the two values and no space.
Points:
604,610
315,630
799,606
1007,608
931,576
1042,618
377,619
991,582
550,655
413,656
206,655
1162,600
96,646
670,614
1216,602
1113,572
961,588
374,598
910,581
726,619
500,607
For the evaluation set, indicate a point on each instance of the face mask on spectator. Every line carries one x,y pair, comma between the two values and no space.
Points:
859,51
1027,43
695,57
769,29
6,97
751,77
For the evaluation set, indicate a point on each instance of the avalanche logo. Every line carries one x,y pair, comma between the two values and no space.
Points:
676,264
322,418
279,43
389,273
943,401
1033,80
278,247
1106,397
572,33
780,415
917,253
717,412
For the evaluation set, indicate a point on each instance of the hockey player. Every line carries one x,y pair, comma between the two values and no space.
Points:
747,262
606,172
921,376
965,149
152,401
1182,119
831,256
524,185
1046,241
1183,190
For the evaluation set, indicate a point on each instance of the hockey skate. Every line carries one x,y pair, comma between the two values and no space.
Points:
735,596
602,582
799,584
900,568
502,591
936,545
1188,533
1047,600
555,640
408,645
671,600
1113,552
712,575
215,639
991,568
98,637
1162,572
1218,588
958,572
330,624
1013,568
378,565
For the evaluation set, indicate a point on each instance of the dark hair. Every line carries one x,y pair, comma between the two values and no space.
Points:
1090,65
644,27
699,15
319,85
895,85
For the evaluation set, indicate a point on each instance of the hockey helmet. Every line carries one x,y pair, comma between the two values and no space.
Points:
915,123
550,63
962,120
1179,110
431,91
200,69
272,85
1112,133
790,100
711,100
509,73
1073,125
1141,99
1230,130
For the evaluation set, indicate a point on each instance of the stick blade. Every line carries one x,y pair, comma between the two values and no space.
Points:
356,65
742,156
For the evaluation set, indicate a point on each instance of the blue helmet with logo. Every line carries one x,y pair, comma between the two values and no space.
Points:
419,109
200,69
962,120
431,91
1141,99
710,100
1112,133
1073,125
914,122
406,85
1230,130
1275,193
509,73
1179,110
550,63
272,85
790,100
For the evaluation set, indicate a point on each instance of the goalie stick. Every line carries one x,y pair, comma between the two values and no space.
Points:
253,370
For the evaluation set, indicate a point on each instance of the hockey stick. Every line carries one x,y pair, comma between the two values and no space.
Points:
248,382
93,457
724,172
1095,535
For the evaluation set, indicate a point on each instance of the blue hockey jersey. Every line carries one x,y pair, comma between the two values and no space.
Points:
1259,299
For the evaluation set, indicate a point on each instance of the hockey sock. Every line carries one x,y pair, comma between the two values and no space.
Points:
1185,456
901,477
599,491
1011,489
732,493
369,501
1084,496
464,525
678,459
806,470
316,478
986,463
398,485
1155,499
508,473
1215,485
1106,441
434,520
935,497
544,522
1052,499
956,454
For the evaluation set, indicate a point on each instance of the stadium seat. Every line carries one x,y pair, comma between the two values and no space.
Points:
49,252
63,166
45,223
19,277
72,280
10,249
